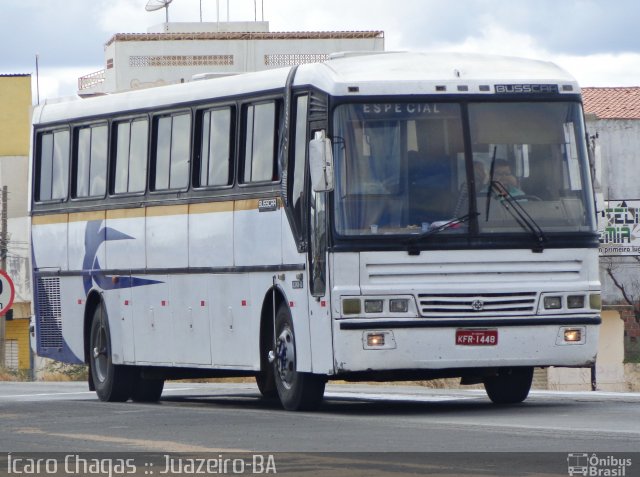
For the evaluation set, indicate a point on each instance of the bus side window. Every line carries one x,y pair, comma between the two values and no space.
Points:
298,163
260,143
90,161
172,137
53,166
213,166
130,165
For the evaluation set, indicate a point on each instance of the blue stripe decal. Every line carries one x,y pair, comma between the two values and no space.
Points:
95,235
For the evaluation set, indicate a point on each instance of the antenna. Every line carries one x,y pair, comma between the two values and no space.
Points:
153,5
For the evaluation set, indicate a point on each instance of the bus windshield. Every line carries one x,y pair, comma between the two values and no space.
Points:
406,168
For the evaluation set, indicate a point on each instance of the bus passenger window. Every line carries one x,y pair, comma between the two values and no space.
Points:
90,162
131,156
53,166
215,150
260,143
172,140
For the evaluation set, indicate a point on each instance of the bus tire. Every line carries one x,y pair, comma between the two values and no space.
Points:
146,390
266,382
113,383
265,379
509,386
297,391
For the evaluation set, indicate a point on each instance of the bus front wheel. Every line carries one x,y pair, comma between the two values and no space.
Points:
113,383
297,391
509,386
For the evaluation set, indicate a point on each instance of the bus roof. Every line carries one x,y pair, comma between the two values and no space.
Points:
427,73
345,74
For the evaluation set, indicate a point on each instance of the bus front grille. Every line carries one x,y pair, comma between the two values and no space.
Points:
477,305
49,313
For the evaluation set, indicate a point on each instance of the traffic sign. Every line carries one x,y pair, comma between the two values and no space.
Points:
7,292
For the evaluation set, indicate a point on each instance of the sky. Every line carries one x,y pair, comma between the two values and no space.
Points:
596,40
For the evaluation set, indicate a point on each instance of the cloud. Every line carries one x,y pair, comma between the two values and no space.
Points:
595,39
58,82
61,33
575,27
604,69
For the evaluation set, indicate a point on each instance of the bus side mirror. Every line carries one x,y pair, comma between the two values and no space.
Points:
321,163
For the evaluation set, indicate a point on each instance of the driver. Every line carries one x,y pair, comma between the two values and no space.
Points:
505,178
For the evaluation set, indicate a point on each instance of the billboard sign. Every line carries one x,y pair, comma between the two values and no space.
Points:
619,228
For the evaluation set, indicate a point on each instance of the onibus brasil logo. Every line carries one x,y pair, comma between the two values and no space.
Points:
597,466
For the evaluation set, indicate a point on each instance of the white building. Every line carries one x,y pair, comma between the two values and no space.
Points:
613,123
175,52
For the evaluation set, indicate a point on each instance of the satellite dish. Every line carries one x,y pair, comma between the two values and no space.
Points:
153,5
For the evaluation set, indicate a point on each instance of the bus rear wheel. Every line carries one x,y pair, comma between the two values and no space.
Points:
297,391
146,389
113,383
509,386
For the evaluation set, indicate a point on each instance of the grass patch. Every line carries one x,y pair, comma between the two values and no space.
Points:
57,371
14,374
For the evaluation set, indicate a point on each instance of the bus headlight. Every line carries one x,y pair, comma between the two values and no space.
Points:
351,306
595,302
552,302
399,305
373,306
575,301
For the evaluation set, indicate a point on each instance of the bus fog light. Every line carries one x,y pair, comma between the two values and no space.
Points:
378,339
552,302
595,302
375,339
351,306
572,335
373,306
399,305
575,301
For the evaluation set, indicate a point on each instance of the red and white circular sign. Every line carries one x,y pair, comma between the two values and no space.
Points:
7,292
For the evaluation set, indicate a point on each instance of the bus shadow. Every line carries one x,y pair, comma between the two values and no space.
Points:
354,405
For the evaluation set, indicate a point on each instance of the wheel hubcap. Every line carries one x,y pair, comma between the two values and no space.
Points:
101,355
286,358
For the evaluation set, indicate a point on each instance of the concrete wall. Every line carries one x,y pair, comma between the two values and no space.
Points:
619,141
247,56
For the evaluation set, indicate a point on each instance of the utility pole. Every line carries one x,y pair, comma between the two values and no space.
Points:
3,265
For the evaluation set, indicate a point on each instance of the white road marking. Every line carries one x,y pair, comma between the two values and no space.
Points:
9,396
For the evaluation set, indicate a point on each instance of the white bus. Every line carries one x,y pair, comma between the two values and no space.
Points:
386,217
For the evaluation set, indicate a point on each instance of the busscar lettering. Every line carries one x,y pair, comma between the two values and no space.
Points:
526,88
267,205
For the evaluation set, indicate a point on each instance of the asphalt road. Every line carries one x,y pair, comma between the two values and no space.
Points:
449,426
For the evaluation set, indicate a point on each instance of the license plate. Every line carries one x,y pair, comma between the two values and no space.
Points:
477,337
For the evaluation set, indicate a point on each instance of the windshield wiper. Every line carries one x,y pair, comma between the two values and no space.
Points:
519,214
491,174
